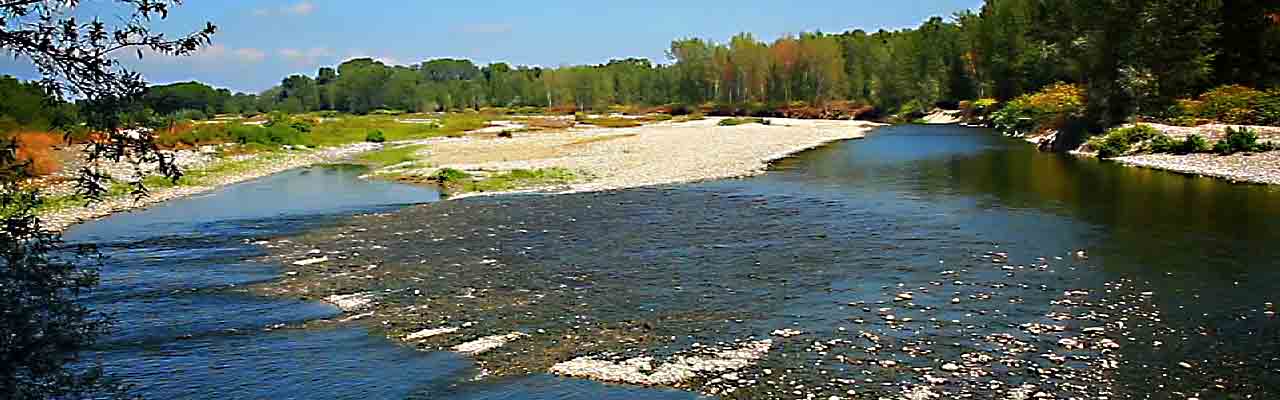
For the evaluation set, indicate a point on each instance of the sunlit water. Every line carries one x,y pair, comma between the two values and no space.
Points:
839,225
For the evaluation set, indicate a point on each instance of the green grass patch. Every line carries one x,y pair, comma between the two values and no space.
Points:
461,182
392,155
355,129
743,121
522,178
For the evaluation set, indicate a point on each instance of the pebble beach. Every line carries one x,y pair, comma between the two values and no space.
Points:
663,153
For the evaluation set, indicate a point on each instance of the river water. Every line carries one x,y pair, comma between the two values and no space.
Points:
986,233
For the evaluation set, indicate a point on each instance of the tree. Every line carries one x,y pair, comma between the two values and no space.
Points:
42,327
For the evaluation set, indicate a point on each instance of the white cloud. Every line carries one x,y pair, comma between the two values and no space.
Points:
251,55
302,8
210,55
486,28
306,56
305,7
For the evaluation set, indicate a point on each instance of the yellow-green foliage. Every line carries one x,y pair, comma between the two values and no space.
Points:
1031,112
1232,104
612,122
353,129
743,121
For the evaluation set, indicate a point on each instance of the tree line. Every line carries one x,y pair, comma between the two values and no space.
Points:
1130,56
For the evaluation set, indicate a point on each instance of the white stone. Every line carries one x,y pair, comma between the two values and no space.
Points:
427,333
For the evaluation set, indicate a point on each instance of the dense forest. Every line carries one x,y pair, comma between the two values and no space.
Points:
1123,56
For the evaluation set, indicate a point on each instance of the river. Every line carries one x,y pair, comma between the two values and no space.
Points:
991,237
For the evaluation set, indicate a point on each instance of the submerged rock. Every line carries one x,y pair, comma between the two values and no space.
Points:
427,333
484,344
351,302
311,261
641,371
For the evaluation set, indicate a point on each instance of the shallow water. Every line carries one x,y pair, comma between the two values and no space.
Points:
186,329
1173,269
818,245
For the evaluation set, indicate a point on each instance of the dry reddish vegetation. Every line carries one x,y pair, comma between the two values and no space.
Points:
797,110
830,110
563,109
37,149
549,123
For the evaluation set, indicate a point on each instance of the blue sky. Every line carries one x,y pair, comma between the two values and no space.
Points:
259,42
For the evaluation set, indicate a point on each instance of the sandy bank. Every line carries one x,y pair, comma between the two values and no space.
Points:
663,153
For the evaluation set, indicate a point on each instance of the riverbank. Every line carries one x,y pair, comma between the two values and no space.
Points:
1258,168
216,174
619,158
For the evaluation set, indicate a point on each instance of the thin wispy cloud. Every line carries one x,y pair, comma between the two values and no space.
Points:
209,55
251,55
300,8
306,56
303,8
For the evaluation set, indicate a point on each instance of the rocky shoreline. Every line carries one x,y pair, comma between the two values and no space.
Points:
61,219
1257,168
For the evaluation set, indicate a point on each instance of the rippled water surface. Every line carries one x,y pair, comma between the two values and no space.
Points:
986,233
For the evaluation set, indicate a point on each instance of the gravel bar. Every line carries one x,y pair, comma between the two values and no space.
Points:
650,155
1261,168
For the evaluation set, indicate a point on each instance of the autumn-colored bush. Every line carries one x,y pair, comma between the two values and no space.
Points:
978,110
563,109
1051,106
1232,104
37,149
829,110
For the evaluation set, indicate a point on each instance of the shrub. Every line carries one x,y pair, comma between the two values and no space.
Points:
1232,104
268,135
449,175
191,115
1240,140
1161,143
1032,112
375,136
36,149
1119,141
1192,144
